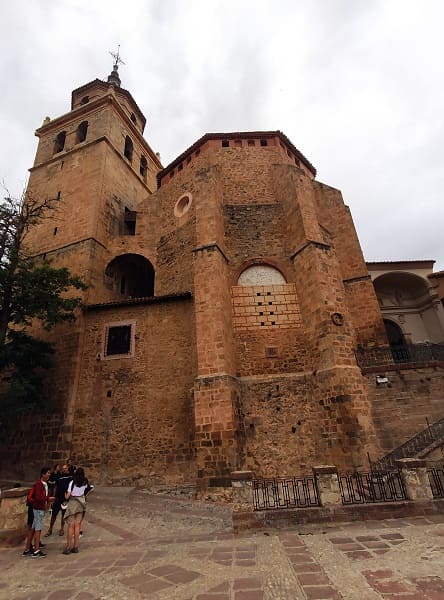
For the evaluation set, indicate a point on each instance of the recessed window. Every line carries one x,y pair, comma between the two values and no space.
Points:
133,118
59,142
129,147
59,195
225,143
82,130
119,340
84,100
183,205
143,166
264,143
129,222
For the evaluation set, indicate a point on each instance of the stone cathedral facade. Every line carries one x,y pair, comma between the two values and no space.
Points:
227,297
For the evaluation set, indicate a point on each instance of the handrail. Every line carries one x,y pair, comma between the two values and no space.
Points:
411,447
405,354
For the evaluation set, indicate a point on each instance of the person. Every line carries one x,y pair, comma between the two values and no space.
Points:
60,490
71,467
53,479
88,490
39,498
29,548
75,511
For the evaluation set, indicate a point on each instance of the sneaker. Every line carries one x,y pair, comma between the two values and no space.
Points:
38,554
75,551
27,552
66,551
42,545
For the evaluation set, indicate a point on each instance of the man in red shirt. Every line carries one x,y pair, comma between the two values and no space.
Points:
38,498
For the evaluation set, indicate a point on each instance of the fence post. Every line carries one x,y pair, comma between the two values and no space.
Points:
328,485
241,482
415,478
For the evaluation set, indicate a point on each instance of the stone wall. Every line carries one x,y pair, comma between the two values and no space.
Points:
401,408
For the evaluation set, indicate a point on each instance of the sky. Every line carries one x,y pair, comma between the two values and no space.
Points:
357,86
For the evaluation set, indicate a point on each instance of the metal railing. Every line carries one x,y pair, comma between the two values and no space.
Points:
285,492
436,478
411,447
360,488
411,353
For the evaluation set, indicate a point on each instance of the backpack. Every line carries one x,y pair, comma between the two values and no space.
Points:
30,496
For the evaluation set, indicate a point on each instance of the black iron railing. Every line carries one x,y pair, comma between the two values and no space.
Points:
411,353
436,477
285,492
411,447
360,488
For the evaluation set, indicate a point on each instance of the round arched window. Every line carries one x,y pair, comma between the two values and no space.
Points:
183,205
261,275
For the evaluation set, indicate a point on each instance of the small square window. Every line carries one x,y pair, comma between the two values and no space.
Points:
264,143
119,340
225,143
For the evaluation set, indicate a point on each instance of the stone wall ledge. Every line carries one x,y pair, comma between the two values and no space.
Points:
357,512
14,492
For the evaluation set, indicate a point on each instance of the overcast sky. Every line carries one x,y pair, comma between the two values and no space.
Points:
357,86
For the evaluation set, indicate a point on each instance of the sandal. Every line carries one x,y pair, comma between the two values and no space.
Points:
61,532
66,551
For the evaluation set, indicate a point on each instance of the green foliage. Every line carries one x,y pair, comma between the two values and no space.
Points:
30,290
21,359
38,294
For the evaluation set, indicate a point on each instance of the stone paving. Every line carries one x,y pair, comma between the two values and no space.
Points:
137,545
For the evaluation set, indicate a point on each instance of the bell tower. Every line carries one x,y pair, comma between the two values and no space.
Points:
96,162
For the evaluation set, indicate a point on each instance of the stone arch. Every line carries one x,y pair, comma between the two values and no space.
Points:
261,274
407,298
59,142
131,276
82,131
394,332
128,149
263,300
402,289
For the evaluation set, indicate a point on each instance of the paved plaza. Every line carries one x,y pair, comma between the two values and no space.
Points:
139,545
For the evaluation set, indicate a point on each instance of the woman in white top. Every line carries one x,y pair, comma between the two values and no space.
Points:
78,489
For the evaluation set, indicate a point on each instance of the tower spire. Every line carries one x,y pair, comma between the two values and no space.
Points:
114,78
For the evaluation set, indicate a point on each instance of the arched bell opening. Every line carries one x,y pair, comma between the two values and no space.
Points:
131,276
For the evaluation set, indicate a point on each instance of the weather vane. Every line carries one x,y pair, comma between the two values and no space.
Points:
117,59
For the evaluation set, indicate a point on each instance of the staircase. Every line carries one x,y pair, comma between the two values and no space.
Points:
411,447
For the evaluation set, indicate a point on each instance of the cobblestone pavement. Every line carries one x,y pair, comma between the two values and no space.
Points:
137,545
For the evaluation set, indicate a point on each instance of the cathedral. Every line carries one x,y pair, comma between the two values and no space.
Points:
230,321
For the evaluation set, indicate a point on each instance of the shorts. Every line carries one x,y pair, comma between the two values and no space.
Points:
38,519
30,520
57,507
77,518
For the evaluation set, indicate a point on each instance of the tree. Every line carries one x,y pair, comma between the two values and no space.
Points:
30,289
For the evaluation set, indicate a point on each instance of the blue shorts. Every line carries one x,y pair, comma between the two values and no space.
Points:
38,519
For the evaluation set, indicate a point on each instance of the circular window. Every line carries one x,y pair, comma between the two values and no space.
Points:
182,206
